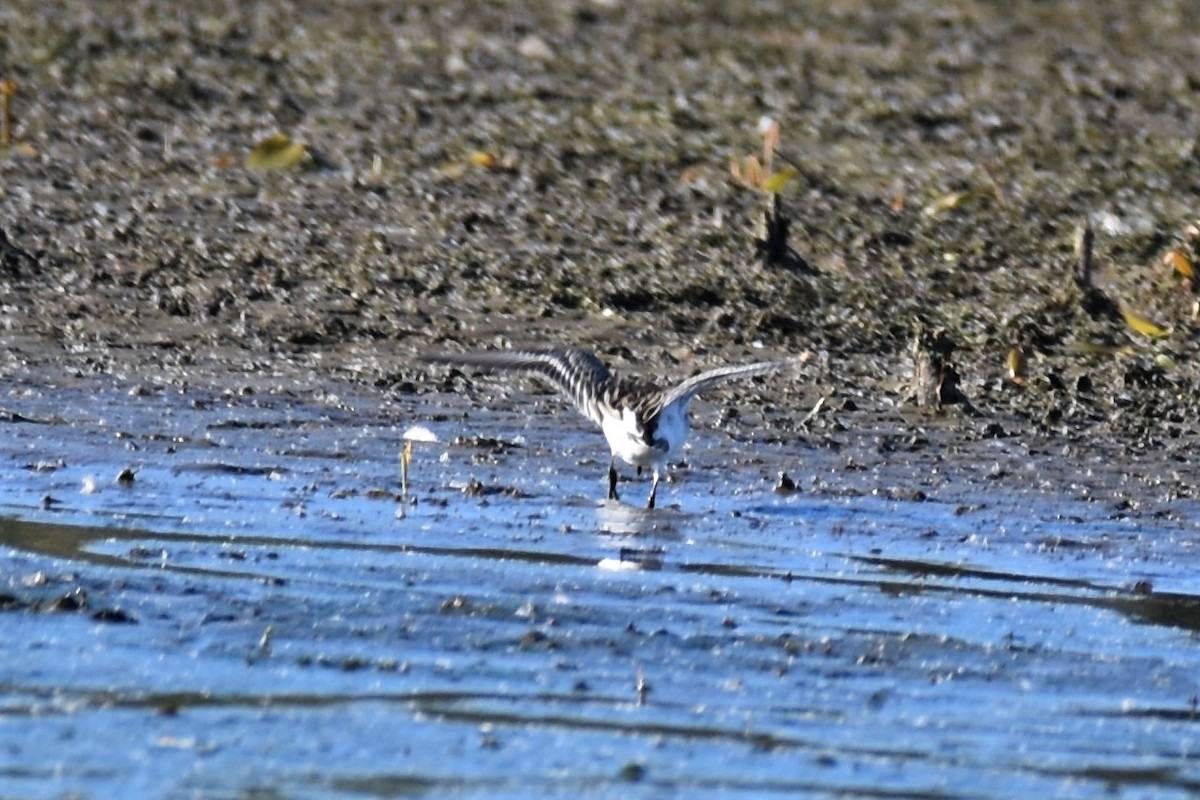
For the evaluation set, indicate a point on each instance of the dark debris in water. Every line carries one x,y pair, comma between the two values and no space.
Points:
1159,608
230,469
73,601
52,465
646,558
12,416
785,484
477,488
486,443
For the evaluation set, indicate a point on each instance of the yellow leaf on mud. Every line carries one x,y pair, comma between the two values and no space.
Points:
477,159
1166,362
949,202
1144,326
1016,366
1100,349
775,183
277,152
482,159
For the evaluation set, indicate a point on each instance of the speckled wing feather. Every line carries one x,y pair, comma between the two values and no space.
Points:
577,373
706,380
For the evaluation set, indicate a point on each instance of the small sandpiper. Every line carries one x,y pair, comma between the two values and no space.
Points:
645,426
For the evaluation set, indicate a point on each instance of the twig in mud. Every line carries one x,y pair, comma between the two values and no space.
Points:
1095,302
8,88
416,433
1085,241
771,231
813,413
642,686
997,192
935,379
405,460
772,239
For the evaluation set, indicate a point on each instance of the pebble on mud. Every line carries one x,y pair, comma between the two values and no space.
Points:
534,48
74,600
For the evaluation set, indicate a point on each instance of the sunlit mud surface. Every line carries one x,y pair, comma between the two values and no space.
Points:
260,611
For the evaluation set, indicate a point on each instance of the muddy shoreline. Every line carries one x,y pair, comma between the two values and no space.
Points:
213,586
488,176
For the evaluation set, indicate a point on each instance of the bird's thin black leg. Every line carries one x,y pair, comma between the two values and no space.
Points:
653,491
612,480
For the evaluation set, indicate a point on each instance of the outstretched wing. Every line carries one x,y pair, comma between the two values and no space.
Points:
706,380
576,373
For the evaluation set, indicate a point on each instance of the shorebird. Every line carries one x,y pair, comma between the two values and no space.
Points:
645,426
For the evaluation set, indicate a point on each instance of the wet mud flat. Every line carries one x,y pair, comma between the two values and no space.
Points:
216,594
212,586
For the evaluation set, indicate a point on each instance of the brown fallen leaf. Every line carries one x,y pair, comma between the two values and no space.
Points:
1180,263
8,90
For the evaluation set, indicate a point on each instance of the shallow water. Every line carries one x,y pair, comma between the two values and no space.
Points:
260,613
